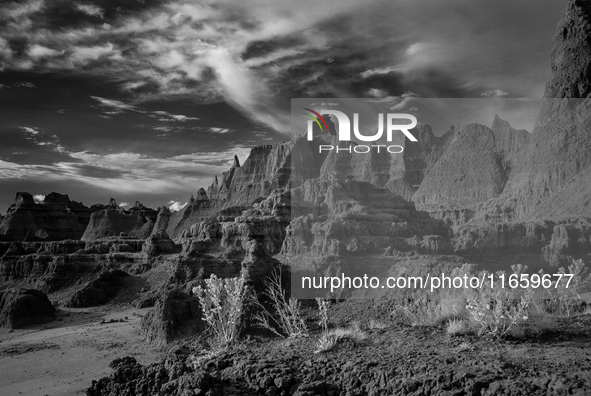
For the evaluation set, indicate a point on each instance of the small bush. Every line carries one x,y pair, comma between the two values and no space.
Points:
323,312
376,324
222,303
285,317
329,339
457,327
432,313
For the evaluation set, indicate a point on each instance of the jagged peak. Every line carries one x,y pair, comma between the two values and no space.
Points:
112,204
236,162
498,123
201,194
23,197
163,210
55,198
571,54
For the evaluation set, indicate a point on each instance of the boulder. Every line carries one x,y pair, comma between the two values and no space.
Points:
22,307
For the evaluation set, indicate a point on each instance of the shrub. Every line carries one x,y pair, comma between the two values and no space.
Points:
432,313
323,312
285,317
329,339
457,327
376,324
222,303
568,297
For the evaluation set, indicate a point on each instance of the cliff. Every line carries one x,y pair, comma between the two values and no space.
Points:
112,220
553,177
55,218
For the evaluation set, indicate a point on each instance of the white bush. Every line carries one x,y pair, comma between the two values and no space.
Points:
222,303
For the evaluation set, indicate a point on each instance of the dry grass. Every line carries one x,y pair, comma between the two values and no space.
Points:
285,317
328,340
456,327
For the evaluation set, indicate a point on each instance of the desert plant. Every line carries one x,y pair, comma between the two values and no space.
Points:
323,312
284,318
495,311
567,288
331,338
376,324
222,303
457,327
431,313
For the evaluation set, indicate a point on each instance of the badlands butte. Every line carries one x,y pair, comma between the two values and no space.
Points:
489,195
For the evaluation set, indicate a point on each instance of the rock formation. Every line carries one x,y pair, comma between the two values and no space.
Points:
98,291
22,307
55,218
112,220
553,178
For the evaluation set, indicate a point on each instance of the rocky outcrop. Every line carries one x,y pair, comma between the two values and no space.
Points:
571,54
22,307
193,212
51,266
400,173
55,218
112,220
173,311
334,216
98,291
473,170
159,243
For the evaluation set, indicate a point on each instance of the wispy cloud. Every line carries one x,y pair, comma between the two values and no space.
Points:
256,56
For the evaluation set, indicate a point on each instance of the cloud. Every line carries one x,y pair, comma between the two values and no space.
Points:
39,51
219,130
91,10
258,56
124,204
39,198
117,105
83,55
30,130
494,93
176,206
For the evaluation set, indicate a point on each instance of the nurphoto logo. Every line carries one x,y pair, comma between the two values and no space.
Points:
344,130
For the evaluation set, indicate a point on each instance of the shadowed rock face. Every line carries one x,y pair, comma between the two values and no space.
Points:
469,172
53,219
112,220
22,307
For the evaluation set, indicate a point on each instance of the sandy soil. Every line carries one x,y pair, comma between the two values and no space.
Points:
63,357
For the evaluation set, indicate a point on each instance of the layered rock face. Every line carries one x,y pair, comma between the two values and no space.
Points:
335,216
400,173
55,218
112,220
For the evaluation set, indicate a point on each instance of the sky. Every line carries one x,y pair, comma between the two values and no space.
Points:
148,100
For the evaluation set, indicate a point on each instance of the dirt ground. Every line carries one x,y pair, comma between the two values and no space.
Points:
64,356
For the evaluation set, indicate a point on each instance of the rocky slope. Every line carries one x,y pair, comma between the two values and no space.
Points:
394,359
